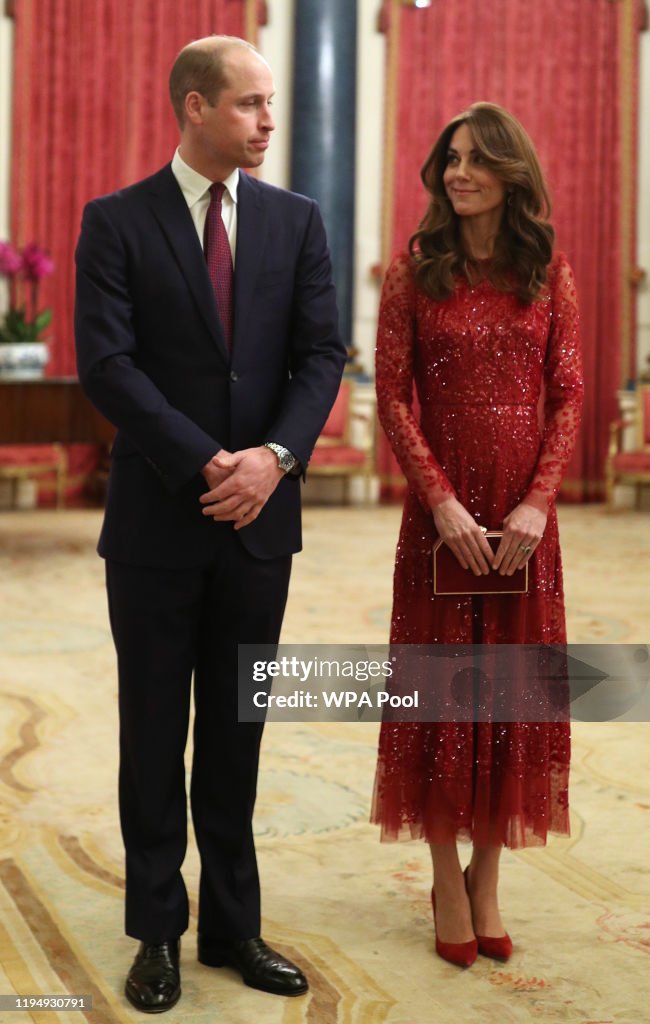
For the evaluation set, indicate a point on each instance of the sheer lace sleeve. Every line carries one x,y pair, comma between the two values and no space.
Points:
563,389
394,372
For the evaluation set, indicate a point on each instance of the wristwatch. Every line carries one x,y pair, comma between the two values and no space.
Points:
286,461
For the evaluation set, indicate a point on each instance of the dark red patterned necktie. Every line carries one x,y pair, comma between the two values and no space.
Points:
219,259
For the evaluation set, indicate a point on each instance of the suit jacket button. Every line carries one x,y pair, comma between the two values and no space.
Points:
234,376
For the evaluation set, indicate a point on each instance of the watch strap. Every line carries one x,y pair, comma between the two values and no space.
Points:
287,461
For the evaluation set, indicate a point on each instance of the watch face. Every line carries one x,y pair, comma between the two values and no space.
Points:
287,461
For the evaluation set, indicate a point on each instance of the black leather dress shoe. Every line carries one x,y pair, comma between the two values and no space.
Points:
153,984
259,965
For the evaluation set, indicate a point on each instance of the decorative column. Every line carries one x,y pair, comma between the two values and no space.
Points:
323,139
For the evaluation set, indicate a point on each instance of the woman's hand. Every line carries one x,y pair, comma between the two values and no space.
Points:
522,531
463,535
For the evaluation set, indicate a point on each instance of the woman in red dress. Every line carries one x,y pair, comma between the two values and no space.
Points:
481,313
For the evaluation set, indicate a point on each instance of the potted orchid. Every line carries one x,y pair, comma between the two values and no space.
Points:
23,352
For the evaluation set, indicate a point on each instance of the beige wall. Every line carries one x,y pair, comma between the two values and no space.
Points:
276,44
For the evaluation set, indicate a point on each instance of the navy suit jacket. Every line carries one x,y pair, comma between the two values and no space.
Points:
152,358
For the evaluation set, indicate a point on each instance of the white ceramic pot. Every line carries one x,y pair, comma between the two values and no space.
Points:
24,360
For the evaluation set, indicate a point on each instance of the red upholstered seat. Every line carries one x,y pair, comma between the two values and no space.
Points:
29,454
334,454
630,467
632,462
341,455
20,461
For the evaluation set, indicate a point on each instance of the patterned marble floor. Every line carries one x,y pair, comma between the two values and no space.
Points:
354,911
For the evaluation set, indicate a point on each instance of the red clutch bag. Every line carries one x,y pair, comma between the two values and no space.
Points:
449,577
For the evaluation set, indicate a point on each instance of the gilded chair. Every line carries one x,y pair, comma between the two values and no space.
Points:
630,467
335,454
24,461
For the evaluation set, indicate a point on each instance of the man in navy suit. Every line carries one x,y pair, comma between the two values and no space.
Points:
206,331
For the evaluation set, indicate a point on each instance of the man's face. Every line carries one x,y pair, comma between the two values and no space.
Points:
236,130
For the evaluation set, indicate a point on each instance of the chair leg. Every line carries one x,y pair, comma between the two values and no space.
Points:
367,487
609,492
61,476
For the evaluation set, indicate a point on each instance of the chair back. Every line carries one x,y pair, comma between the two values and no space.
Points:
644,416
337,427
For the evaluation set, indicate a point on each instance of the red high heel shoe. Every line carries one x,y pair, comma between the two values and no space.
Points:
462,954
496,947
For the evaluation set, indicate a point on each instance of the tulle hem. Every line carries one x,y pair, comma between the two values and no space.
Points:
519,813
524,838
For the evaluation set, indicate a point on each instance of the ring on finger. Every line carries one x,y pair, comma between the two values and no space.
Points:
526,548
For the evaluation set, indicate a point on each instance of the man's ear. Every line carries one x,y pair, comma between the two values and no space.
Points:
194,102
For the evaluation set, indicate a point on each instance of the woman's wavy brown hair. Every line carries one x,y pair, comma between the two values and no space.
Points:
524,245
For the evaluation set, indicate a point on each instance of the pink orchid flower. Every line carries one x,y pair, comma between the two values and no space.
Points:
37,263
11,262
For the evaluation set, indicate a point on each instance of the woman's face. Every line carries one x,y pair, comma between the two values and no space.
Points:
471,187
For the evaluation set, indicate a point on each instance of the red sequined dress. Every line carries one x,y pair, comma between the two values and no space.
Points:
480,361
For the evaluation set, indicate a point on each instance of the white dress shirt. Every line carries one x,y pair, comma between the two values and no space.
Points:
196,190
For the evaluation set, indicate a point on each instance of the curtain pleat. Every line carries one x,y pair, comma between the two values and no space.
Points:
557,67
91,114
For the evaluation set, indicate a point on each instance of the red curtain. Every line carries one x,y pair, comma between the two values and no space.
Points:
568,71
91,114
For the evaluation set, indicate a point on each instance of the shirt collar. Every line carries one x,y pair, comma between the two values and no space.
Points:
194,185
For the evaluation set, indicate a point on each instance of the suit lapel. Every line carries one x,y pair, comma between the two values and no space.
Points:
170,210
251,238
